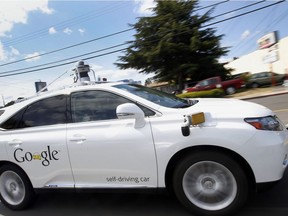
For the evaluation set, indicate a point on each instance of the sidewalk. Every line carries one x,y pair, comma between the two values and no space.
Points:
260,92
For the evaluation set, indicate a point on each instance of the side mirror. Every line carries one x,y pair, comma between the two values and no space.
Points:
131,111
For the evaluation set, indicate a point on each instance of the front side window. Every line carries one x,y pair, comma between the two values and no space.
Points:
48,111
204,83
213,81
13,122
95,105
263,75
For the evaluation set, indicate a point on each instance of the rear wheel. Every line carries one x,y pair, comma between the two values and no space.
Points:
210,183
16,191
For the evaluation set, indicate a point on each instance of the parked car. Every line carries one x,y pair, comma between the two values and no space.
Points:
229,86
212,153
265,79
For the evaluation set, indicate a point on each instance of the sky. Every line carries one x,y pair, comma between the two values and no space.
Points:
40,32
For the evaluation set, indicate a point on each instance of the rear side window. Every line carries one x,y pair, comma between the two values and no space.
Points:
48,111
13,122
1,112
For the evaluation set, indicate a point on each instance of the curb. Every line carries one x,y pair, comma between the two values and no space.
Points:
262,96
262,92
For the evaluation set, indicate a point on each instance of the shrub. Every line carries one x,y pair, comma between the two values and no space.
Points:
214,93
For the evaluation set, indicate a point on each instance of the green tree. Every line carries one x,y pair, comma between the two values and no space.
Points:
173,45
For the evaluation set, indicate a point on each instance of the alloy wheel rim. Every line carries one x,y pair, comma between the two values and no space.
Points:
12,188
231,90
209,185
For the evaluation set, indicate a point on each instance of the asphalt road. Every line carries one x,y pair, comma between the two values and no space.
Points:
271,203
277,103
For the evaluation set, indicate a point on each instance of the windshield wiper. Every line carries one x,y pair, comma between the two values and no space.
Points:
182,106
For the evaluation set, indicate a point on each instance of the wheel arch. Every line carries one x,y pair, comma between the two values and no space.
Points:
182,153
25,194
3,163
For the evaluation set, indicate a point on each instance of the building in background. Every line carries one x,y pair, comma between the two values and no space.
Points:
40,86
272,55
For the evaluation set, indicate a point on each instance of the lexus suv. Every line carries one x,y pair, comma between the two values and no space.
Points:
211,153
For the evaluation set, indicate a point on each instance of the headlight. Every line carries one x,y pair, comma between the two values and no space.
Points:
270,123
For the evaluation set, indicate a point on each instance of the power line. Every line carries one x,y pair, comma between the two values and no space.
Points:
63,64
89,41
243,14
70,22
246,6
68,47
233,17
212,5
62,60
44,32
272,23
54,81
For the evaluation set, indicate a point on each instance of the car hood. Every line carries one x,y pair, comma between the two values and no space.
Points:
229,108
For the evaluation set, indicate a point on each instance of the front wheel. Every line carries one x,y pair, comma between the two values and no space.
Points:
210,183
16,191
254,85
230,90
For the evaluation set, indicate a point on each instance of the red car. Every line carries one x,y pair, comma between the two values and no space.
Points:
229,86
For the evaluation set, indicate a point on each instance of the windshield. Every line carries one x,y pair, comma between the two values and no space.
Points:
155,96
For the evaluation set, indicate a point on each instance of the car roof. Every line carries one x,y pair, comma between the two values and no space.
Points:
7,112
69,89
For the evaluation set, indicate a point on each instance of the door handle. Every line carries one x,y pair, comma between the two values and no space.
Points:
78,138
15,143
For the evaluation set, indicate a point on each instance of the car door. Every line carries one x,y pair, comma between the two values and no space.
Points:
36,141
267,80
264,78
106,151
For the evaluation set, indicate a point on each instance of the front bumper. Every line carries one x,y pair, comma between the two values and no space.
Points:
268,155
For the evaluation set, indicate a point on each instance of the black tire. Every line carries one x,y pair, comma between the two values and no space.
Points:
254,85
282,81
210,183
16,191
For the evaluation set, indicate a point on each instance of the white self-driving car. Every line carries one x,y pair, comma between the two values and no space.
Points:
211,153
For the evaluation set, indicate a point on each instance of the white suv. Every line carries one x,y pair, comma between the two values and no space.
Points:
212,153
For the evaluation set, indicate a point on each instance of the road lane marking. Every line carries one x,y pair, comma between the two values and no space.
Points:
281,110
